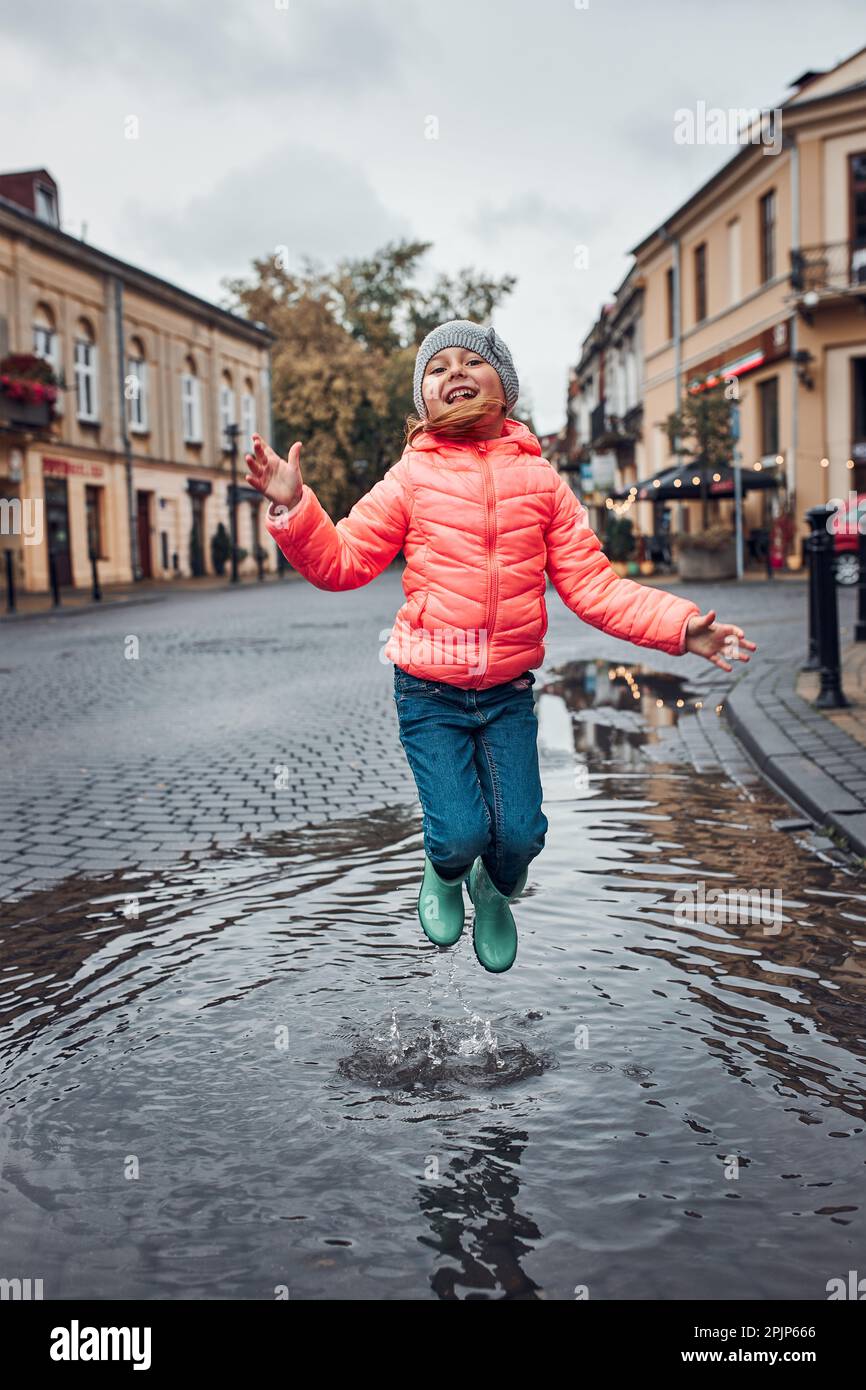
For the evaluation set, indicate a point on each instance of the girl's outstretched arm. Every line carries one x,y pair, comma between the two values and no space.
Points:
649,617
333,556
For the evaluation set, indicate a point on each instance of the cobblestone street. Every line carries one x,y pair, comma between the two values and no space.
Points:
111,760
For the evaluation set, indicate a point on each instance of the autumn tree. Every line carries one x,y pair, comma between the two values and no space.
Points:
702,432
344,355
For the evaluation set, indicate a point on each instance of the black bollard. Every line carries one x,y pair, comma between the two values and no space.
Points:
97,592
860,625
10,581
52,575
812,662
826,616
260,561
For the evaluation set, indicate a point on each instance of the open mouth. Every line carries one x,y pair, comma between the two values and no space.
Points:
460,393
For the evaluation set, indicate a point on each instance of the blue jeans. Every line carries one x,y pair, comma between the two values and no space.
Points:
474,757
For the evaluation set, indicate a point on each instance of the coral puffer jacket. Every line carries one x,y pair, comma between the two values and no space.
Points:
479,525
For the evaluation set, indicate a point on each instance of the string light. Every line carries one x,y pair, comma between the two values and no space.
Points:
621,507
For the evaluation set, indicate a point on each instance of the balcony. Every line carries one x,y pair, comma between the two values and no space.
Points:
614,431
835,270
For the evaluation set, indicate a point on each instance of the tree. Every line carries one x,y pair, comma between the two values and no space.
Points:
703,430
344,357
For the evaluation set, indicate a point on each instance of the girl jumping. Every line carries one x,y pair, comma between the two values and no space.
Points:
481,518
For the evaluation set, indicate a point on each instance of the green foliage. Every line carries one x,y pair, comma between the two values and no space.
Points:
345,353
703,428
618,538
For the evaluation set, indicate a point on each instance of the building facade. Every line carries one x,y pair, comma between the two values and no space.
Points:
759,281
132,464
605,400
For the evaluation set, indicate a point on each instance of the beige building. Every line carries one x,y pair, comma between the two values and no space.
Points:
759,279
135,466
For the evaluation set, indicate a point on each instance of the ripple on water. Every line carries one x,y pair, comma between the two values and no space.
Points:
313,1095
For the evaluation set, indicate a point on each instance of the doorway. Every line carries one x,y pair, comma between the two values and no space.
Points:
57,521
197,564
143,528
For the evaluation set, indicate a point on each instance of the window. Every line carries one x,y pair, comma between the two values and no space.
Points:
248,414
46,345
701,282
136,388
86,394
45,204
859,400
768,396
190,393
857,198
768,236
227,410
735,260
669,290
93,510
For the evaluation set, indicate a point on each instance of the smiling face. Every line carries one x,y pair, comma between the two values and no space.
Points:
458,374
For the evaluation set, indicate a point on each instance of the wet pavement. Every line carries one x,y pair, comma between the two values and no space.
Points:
232,1066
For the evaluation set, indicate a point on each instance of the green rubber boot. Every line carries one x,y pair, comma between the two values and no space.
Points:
515,892
494,933
440,907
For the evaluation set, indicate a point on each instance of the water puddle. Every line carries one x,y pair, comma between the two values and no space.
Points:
255,1071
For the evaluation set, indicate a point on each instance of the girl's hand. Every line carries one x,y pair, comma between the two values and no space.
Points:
277,479
720,643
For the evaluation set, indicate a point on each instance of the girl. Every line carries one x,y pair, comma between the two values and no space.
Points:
481,517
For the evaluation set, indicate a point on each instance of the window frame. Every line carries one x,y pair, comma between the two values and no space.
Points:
768,389
767,227
700,264
86,380
136,366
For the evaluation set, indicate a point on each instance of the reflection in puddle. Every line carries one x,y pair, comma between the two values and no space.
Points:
650,1104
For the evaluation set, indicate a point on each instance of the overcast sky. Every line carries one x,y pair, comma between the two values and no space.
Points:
304,123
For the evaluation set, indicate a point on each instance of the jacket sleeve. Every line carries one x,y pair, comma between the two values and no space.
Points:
591,588
353,551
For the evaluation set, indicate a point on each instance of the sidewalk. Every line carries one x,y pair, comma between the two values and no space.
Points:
817,758
127,595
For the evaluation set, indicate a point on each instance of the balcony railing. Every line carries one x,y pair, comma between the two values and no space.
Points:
611,430
834,268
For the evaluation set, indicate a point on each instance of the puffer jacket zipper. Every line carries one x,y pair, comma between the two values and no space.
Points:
492,571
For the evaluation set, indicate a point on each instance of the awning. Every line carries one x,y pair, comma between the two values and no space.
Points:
677,484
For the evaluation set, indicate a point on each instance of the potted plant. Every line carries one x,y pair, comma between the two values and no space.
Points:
709,554
618,541
28,388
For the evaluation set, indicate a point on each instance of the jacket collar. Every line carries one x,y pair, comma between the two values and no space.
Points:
516,438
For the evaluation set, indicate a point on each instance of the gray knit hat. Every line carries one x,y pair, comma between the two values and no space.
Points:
463,333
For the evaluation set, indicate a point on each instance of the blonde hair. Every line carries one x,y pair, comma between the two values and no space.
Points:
458,421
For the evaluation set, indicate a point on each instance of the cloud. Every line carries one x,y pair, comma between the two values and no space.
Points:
311,201
532,213
217,48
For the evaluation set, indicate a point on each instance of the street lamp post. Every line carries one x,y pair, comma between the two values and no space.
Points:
232,431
